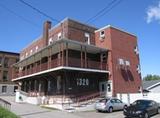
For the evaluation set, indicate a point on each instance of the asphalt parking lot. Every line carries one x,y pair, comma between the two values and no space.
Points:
94,114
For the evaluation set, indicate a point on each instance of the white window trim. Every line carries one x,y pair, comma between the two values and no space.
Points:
102,36
36,48
31,51
50,41
59,35
88,37
136,50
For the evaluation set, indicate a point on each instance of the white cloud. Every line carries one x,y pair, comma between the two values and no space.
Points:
153,13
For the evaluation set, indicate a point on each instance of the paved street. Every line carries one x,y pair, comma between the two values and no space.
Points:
32,111
118,114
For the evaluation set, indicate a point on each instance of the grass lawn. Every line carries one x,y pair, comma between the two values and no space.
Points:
4,113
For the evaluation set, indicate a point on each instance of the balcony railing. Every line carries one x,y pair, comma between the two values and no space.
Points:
72,62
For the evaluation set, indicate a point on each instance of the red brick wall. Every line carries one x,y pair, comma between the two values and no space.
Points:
121,45
70,29
13,58
76,31
38,43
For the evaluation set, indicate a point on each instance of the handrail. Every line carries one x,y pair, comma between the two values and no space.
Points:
5,104
89,97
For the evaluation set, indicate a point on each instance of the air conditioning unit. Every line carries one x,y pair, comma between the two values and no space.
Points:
121,62
138,69
127,63
136,50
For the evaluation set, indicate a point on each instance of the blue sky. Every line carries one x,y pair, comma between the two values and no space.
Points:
140,17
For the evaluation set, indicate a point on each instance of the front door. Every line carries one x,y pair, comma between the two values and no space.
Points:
103,88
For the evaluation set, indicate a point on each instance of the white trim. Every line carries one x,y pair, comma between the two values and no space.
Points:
153,86
62,67
109,26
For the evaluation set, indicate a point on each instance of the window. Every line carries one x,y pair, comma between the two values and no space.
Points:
6,60
59,35
104,56
118,101
36,48
31,52
26,54
87,38
109,87
15,88
50,41
5,75
4,89
138,69
136,50
102,34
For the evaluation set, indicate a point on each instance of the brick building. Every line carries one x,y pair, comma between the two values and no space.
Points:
74,61
7,87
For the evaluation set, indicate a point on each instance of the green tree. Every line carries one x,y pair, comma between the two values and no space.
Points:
151,77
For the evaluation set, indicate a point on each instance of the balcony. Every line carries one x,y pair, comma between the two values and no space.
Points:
64,54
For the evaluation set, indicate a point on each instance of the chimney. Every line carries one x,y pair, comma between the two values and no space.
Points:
46,27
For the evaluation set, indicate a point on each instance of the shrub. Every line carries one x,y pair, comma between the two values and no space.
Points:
4,113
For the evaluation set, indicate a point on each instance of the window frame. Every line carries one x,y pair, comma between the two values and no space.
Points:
4,89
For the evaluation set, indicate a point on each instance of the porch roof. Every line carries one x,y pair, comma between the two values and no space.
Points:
62,68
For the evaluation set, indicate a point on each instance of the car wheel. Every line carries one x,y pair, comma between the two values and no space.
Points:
98,110
125,106
146,115
158,110
110,110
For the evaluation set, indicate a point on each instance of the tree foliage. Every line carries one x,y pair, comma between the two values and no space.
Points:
151,77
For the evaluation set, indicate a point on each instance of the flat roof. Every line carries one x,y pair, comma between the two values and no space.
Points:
10,53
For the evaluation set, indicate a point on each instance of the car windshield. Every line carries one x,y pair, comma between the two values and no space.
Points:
141,103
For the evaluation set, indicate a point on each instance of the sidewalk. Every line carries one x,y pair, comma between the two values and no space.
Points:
33,111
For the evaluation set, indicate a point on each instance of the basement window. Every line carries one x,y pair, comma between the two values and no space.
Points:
4,89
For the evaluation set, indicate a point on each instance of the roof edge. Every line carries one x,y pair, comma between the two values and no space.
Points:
110,26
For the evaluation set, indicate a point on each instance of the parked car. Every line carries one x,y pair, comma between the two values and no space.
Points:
109,105
142,109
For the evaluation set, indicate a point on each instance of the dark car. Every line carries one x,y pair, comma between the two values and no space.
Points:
142,109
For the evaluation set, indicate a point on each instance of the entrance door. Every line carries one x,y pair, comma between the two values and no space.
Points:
103,88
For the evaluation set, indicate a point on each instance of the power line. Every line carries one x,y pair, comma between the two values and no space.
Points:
109,9
105,10
39,11
102,10
21,17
